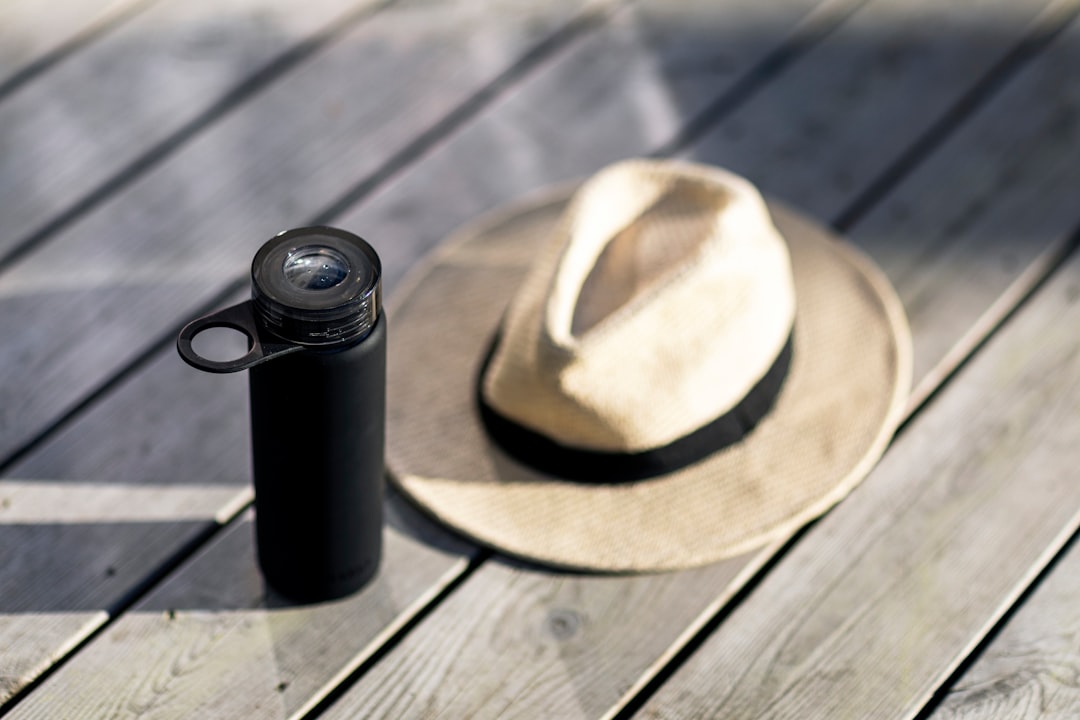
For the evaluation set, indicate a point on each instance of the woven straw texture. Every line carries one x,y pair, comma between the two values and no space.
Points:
662,276
838,408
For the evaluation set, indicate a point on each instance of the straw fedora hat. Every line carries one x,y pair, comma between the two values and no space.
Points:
653,370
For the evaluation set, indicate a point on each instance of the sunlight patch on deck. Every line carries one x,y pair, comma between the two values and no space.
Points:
40,501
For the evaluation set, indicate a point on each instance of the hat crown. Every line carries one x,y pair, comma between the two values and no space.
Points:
664,295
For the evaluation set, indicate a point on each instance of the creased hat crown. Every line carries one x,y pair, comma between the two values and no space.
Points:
664,295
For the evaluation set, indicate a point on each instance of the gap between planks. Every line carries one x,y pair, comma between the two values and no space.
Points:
1021,294
1017,670
593,14
169,339
1008,351
534,57
160,150
87,30
1047,26
1025,283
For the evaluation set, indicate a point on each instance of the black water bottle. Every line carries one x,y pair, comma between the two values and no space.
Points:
317,355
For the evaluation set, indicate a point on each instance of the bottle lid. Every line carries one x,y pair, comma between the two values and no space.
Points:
317,286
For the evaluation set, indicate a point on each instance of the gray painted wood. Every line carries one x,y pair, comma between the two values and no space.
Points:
189,226
518,642
220,645
128,271
168,426
1026,671
562,625
561,641
629,92
1029,669
144,432
961,254
818,148
73,130
36,642
975,496
949,532
30,34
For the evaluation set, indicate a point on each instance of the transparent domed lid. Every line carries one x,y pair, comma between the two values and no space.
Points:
315,267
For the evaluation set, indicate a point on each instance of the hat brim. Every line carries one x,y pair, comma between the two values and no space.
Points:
840,404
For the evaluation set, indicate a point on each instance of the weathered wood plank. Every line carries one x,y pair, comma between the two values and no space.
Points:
817,148
136,265
32,37
1029,670
144,432
558,624
584,670
976,495
321,128
628,94
35,638
76,134
224,647
963,535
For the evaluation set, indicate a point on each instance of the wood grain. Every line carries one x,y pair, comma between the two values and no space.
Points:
35,639
632,90
78,133
975,496
179,224
948,531
894,69
134,266
962,254
598,664
145,432
1029,670
226,647
563,626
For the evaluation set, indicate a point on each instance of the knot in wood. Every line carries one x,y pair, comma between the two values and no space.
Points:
563,624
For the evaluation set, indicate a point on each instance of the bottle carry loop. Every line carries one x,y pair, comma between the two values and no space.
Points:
261,345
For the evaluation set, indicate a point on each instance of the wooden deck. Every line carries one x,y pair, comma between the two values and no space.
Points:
148,147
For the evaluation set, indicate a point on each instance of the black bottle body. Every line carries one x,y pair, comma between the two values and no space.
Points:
317,419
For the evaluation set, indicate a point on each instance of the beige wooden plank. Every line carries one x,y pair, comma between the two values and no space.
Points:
561,641
170,425
951,532
191,650
827,137
627,94
61,578
516,642
35,638
961,254
977,494
138,264
32,32
1029,669
559,623
167,426
153,80
92,299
